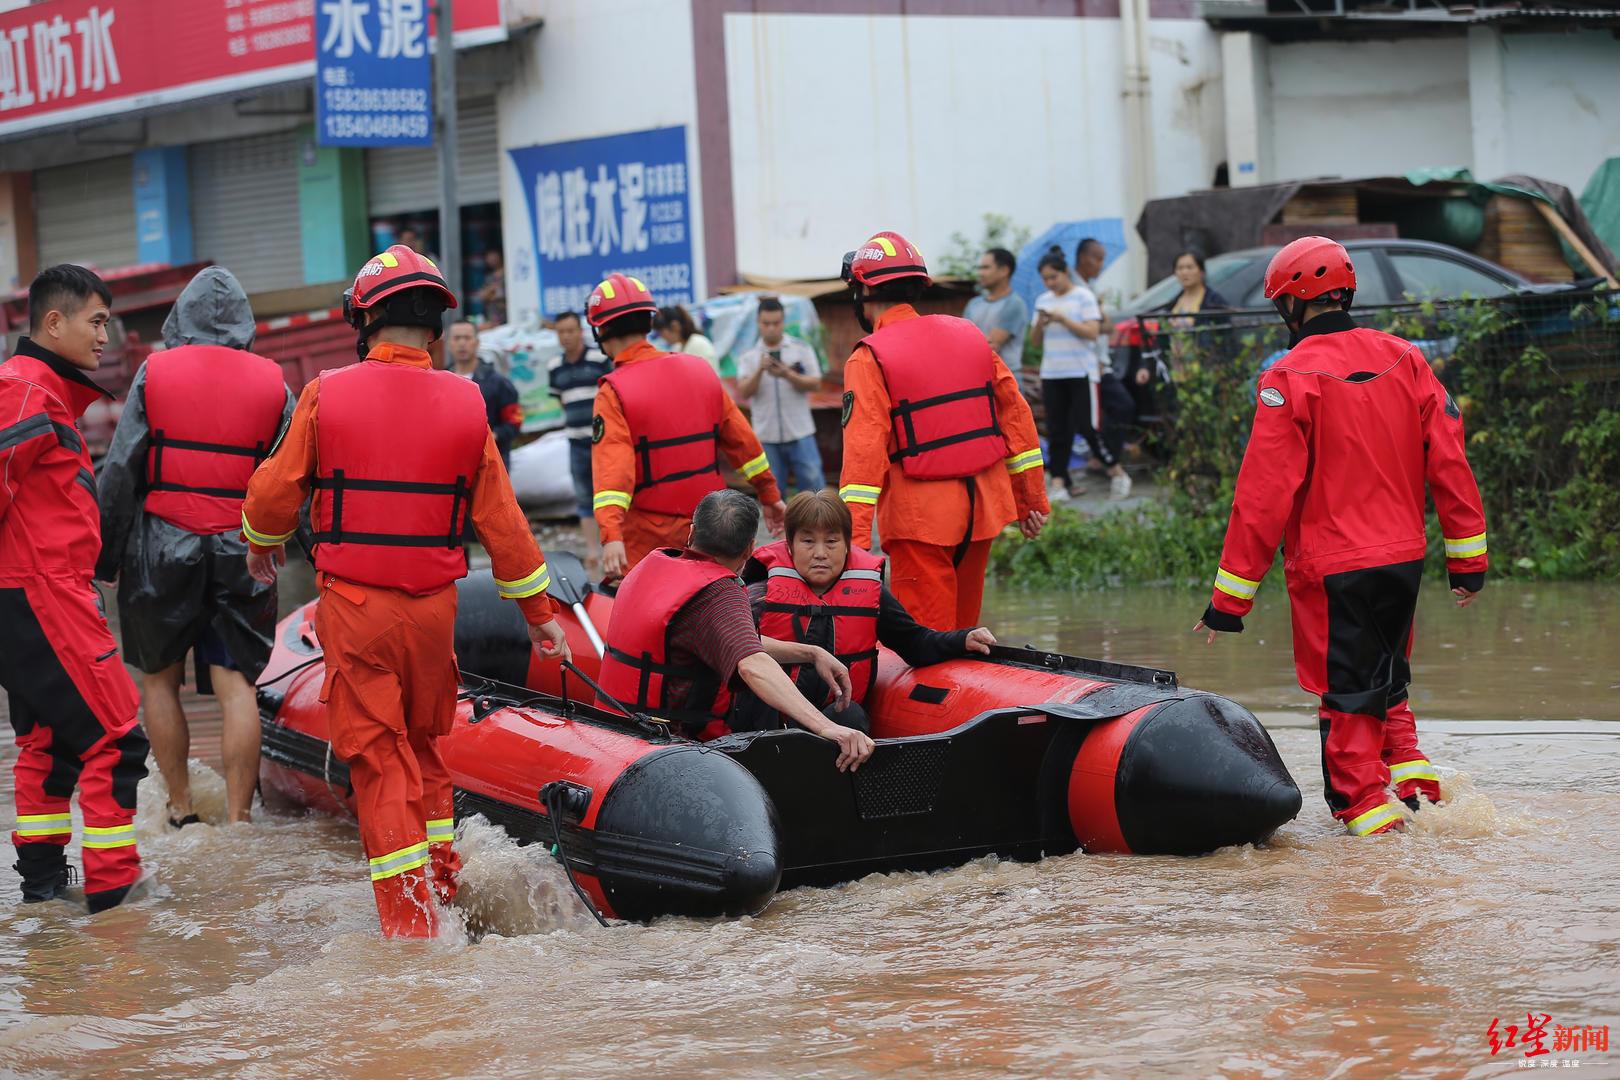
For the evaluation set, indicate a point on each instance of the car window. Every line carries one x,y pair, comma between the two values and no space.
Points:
1425,277
1163,293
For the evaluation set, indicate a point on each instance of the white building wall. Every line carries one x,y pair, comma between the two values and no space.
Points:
593,69
1561,118
1368,108
842,125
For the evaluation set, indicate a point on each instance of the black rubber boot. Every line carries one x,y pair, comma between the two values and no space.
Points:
1412,802
45,872
138,889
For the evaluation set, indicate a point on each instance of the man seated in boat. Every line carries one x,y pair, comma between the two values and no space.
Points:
682,633
816,588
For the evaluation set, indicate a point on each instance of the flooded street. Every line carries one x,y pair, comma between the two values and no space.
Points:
1315,956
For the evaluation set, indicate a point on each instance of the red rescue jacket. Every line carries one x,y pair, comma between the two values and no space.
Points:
673,406
50,525
636,666
213,413
853,602
941,382
1350,427
398,448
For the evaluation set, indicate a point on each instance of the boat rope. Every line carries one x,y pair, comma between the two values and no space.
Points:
295,669
553,795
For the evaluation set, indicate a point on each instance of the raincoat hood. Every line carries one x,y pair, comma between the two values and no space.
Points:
212,310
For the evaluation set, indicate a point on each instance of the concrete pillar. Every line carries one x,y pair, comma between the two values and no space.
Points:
332,210
1246,88
1487,103
19,244
163,206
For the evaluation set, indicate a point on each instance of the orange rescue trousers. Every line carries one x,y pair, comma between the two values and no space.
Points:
390,693
941,592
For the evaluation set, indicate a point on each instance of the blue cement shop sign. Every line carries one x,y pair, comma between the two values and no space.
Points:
373,76
618,203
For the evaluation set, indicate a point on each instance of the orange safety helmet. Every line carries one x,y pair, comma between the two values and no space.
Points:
408,287
618,295
886,257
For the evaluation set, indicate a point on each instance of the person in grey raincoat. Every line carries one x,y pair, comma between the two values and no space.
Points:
201,414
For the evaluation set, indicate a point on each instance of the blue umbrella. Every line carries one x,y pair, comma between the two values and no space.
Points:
1026,281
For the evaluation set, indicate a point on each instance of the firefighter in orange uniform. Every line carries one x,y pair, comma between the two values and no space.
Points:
400,459
939,444
661,421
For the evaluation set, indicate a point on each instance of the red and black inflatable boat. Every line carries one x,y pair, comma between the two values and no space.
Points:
1021,754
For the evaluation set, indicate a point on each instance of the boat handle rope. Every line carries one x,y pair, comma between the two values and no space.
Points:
570,666
553,795
295,669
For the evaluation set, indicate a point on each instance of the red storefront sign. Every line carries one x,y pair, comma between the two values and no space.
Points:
72,60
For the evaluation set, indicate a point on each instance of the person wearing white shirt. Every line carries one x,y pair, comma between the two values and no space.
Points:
1066,327
776,377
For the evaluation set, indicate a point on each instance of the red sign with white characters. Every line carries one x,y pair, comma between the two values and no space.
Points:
71,60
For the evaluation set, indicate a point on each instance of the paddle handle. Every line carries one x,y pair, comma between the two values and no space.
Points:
590,631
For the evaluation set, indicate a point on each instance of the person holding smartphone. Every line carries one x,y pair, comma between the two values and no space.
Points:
776,378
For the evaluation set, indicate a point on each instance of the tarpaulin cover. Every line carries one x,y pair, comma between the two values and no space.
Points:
1601,202
1231,219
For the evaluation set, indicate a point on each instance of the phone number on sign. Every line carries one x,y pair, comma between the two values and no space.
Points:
376,99
388,125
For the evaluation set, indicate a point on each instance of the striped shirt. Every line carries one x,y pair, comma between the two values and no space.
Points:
573,382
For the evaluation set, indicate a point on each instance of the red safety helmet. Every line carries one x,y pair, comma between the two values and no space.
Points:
618,295
390,273
1310,267
886,257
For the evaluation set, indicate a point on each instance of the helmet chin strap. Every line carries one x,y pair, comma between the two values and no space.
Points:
859,303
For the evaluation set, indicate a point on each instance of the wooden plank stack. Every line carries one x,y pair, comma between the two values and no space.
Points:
1321,204
1518,237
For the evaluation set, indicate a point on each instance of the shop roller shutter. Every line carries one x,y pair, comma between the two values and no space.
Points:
244,209
403,180
85,213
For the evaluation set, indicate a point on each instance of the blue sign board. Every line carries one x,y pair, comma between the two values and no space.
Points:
373,76
617,203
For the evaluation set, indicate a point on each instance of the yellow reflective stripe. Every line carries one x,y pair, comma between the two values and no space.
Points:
387,259
860,493
637,283
397,862
1374,819
109,836
1232,585
440,830
44,824
537,582
263,539
884,243
1466,548
1027,460
1416,769
607,290
755,466
611,498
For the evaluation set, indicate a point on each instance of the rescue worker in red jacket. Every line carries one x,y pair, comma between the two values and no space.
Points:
199,418
661,421
1350,427
816,588
939,444
400,459
682,637
72,704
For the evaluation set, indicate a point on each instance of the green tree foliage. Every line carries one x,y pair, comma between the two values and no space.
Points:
963,254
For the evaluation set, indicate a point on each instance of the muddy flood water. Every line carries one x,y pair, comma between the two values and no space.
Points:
1316,955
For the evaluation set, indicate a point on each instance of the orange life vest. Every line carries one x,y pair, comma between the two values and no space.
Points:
214,414
853,603
398,448
673,405
941,376
636,668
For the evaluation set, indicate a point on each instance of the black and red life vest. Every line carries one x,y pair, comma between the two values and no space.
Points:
852,603
673,405
214,413
398,448
636,668
941,376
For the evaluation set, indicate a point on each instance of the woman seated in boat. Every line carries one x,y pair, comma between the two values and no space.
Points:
815,587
